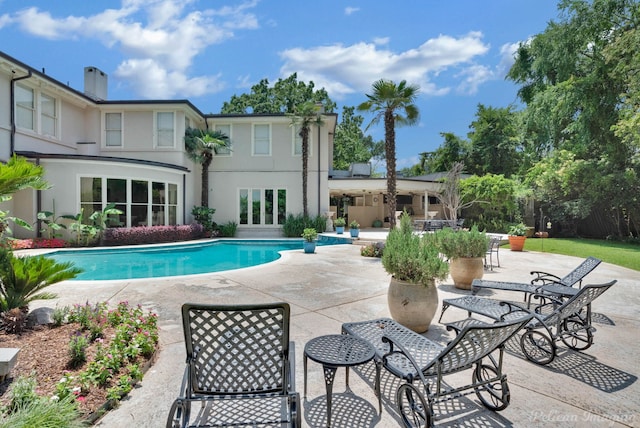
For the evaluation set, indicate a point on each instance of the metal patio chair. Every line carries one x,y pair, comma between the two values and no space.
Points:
567,320
412,357
240,368
492,248
543,282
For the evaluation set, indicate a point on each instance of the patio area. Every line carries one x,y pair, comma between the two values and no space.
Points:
597,387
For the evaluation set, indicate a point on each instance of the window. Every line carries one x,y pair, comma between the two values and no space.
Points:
226,130
142,202
261,140
297,141
48,116
165,130
113,129
25,107
262,206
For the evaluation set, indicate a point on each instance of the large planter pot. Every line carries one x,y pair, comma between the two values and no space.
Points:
354,232
309,247
516,243
412,305
339,230
464,270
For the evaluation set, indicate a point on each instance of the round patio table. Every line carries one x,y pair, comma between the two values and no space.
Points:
333,351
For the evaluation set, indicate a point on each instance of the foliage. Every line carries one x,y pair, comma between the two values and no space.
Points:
519,229
228,230
339,222
411,257
462,243
354,225
28,244
23,279
309,234
350,145
14,320
294,225
497,201
50,221
450,195
453,149
282,97
151,234
372,250
305,115
204,216
78,350
99,221
201,146
395,103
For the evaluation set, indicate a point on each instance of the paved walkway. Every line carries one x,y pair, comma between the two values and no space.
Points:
598,387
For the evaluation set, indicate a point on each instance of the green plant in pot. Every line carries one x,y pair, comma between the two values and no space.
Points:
517,236
310,235
414,263
339,223
465,250
354,229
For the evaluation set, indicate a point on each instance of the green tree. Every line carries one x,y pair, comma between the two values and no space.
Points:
494,142
283,97
453,149
395,104
201,146
304,116
496,206
349,142
577,79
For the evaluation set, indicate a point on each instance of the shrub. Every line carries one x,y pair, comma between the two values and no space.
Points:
309,234
45,413
78,350
151,235
294,225
462,243
204,217
354,225
372,250
228,230
339,222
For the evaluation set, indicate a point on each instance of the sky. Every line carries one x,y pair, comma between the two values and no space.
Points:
206,51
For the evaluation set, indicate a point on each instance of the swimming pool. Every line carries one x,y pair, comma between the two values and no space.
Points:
175,260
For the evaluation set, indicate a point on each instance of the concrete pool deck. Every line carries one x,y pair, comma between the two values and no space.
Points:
596,387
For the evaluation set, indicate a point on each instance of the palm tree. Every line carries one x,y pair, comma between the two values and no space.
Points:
305,115
201,146
394,103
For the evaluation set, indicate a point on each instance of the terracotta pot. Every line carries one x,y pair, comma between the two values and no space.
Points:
464,270
516,243
412,305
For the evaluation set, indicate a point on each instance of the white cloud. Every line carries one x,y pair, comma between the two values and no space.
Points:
507,54
350,10
160,38
473,77
343,70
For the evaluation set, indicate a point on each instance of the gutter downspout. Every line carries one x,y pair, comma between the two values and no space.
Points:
319,154
13,111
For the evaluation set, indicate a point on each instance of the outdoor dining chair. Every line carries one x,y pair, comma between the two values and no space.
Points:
240,368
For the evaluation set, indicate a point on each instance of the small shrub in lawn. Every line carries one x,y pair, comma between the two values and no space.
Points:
78,350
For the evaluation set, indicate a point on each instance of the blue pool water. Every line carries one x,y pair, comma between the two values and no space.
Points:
175,260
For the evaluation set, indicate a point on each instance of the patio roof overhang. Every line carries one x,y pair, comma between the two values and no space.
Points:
356,186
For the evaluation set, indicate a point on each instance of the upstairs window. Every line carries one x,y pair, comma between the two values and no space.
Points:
261,140
48,116
25,107
165,129
113,129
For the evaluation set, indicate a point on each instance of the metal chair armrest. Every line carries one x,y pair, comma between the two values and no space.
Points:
401,351
544,277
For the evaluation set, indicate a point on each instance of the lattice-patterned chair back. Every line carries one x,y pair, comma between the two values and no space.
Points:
475,342
574,305
576,275
237,350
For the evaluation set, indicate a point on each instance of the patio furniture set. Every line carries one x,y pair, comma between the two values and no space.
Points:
240,362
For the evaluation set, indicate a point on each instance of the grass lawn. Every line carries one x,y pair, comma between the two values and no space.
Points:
617,253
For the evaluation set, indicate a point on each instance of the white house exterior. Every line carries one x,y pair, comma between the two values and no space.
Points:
96,151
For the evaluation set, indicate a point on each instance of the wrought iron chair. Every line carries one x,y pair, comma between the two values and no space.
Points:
555,319
572,278
492,248
411,356
240,367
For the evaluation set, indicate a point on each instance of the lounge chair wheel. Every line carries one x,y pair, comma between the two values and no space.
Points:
537,347
576,335
413,408
179,414
494,395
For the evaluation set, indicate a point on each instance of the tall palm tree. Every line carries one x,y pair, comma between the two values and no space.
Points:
201,146
305,115
394,103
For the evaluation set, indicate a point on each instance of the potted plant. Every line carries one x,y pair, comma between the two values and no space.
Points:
414,264
339,223
354,229
517,236
310,235
465,250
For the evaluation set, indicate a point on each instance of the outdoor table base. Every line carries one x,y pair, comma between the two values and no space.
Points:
333,351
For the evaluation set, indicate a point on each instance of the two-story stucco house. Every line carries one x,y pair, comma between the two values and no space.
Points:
97,151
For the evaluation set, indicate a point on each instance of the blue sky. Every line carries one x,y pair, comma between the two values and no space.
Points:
206,51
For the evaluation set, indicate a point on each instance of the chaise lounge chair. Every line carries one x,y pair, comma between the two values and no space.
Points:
239,368
554,319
